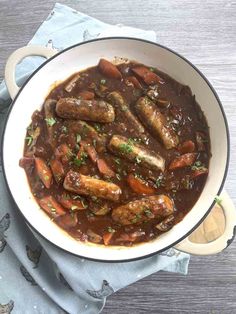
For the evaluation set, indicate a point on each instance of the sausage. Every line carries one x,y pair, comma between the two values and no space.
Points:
144,209
89,110
86,185
156,122
123,147
49,111
116,99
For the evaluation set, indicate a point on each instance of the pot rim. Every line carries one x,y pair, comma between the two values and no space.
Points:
151,43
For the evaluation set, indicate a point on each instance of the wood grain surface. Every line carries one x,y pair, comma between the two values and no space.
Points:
205,33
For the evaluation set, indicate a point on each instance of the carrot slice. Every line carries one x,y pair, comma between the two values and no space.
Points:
51,206
90,150
139,186
148,76
107,237
57,170
200,172
109,69
69,203
183,161
187,147
64,153
134,81
43,172
86,95
104,168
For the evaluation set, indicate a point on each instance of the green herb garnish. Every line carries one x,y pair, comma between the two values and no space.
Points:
64,129
80,161
50,121
118,176
148,213
198,166
29,139
117,161
127,148
111,230
78,138
218,200
103,81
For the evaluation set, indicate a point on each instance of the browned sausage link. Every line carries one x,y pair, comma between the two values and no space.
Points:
127,149
89,110
49,110
156,122
86,185
144,209
117,99
89,133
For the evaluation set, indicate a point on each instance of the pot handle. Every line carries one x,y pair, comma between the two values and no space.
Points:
220,243
16,57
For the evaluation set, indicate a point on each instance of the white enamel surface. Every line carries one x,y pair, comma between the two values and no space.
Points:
81,57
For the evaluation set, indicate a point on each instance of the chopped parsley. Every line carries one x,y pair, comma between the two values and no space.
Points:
148,213
218,200
138,160
97,127
127,147
103,81
50,121
158,182
78,138
117,161
74,207
198,166
118,176
111,230
64,129
80,161
29,139
152,69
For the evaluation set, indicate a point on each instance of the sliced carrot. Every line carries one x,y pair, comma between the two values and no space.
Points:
51,206
187,147
86,95
64,153
134,81
69,203
139,186
43,172
90,150
148,76
200,172
183,161
107,237
109,69
57,170
104,168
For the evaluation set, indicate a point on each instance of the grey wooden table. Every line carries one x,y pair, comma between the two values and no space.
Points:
205,33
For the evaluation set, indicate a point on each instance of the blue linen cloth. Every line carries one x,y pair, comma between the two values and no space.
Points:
35,276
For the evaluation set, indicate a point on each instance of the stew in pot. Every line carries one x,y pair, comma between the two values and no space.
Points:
118,154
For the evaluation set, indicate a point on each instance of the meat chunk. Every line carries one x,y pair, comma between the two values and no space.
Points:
86,185
138,211
128,149
156,122
117,100
89,110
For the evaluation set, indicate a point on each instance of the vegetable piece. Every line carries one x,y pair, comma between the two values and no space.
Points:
57,170
63,153
156,122
93,237
144,209
117,100
109,69
104,168
153,94
183,161
71,204
134,81
130,150
90,150
72,82
105,209
148,76
89,110
199,172
187,147
166,224
86,95
49,111
201,140
86,185
67,221
51,206
139,186
43,172
107,237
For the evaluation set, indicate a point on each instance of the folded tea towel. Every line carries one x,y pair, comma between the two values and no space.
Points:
35,276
